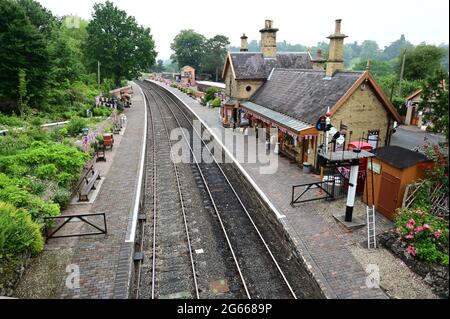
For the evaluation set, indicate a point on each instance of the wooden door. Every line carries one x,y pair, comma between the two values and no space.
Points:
388,196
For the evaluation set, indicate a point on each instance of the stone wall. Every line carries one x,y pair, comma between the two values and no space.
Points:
362,112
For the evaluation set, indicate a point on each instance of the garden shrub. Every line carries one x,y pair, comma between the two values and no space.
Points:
75,126
36,206
18,232
211,94
217,102
61,197
46,171
425,234
102,111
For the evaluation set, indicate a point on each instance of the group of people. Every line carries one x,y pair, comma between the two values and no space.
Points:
114,102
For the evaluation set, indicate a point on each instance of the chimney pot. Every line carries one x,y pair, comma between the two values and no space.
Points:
338,26
269,24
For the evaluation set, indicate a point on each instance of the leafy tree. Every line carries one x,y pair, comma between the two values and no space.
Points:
121,46
435,102
395,48
377,68
23,47
445,59
370,50
188,47
39,16
159,67
422,62
214,57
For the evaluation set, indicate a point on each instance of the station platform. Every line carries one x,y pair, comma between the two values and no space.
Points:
101,262
324,244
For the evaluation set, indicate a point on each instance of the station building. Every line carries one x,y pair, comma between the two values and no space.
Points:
291,91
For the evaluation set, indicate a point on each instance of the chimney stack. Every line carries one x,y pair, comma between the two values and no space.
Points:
336,54
244,43
319,54
269,40
318,62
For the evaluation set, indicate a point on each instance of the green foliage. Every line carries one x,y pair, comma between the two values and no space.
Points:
18,233
75,126
102,111
426,235
217,102
46,171
210,94
61,197
23,51
215,50
435,103
422,62
188,47
123,48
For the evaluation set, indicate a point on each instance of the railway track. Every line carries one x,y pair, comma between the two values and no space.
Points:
261,276
171,269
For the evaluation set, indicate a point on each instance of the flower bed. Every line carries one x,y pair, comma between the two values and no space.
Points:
421,241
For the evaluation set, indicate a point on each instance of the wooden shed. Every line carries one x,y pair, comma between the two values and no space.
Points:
393,169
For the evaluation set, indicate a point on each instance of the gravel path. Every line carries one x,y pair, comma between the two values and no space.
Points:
398,281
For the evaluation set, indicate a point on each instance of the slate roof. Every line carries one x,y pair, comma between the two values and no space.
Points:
304,94
253,65
399,157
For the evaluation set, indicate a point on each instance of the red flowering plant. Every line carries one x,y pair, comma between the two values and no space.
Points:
425,235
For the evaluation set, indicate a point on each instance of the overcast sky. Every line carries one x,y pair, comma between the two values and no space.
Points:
305,22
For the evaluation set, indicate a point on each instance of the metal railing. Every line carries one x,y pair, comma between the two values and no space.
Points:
78,218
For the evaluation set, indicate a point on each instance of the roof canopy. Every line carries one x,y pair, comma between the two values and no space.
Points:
288,122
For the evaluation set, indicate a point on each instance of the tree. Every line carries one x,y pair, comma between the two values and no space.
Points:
159,67
123,48
23,47
435,102
369,50
422,62
214,57
188,47
395,48
377,68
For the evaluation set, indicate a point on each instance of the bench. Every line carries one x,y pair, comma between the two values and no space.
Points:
89,185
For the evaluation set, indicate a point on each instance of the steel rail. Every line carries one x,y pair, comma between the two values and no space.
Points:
183,209
213,203
235,193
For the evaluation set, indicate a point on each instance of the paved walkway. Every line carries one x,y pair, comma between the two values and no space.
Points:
322,241
104,261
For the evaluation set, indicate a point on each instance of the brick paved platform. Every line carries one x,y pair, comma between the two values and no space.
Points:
320,239
105,261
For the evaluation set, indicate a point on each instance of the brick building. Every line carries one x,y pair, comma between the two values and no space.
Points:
291,91
187,77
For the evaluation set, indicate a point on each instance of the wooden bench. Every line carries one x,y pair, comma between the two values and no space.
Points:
89,185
